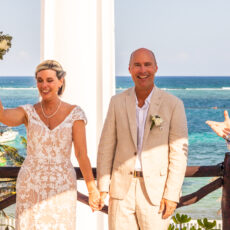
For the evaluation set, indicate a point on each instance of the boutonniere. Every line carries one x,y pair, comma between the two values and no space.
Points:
156,120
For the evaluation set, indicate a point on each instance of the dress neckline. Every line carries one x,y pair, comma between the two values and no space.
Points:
57,126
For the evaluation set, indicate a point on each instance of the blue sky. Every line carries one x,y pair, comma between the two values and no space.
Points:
21,19
189,37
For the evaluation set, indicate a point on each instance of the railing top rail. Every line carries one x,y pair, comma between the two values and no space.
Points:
191,171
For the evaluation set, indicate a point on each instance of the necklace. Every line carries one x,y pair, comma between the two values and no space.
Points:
51,115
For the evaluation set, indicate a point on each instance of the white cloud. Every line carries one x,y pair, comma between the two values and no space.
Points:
22,54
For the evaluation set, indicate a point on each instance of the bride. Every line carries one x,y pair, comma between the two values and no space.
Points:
46,183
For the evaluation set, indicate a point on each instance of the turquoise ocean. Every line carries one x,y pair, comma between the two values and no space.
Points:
205,98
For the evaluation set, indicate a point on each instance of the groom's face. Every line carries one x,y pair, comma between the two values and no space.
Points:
142,68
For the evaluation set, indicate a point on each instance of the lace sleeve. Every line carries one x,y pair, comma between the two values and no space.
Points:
27,108
78,114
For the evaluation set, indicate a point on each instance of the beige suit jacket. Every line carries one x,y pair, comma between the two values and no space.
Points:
164,153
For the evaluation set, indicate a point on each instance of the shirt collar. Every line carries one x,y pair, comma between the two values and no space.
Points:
147,100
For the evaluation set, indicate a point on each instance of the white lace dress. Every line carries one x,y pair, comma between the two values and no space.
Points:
46,183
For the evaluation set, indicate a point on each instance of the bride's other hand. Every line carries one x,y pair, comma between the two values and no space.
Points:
102,199
222,129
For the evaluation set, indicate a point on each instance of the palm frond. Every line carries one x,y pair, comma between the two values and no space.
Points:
23,141
12,153
3,159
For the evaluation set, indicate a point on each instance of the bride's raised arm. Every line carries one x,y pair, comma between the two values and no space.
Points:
12,117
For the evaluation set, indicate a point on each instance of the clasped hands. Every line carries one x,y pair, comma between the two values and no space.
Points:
97,200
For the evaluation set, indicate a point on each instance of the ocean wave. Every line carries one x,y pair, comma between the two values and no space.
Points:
120,88
222,88
11,88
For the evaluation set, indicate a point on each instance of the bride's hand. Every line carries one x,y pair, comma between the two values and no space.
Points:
94,199
222,129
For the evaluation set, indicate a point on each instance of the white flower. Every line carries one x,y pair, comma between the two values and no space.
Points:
156,120
4,45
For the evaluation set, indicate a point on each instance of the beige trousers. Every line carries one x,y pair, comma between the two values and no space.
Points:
135,211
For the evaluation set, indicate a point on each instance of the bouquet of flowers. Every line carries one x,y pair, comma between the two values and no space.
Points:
5,44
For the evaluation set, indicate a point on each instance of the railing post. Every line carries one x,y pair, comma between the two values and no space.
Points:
225,203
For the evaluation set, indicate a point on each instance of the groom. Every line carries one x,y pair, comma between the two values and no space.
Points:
142,154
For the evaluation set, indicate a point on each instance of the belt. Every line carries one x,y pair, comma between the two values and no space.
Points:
138,174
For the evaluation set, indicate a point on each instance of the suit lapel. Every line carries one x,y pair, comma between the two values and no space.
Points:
131,111
153,110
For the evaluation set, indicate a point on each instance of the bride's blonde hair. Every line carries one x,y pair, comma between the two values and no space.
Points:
53,65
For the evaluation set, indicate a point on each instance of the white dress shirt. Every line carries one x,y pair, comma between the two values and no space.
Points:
141,114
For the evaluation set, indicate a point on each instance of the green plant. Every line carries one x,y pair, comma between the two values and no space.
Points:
9,153
171,227
5,44
23,141
193,228
182,219
206,224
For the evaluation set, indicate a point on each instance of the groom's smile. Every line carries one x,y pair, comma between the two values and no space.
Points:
142,68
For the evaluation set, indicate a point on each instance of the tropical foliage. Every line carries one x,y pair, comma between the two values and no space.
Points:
9,154
7,226
183,219
5,44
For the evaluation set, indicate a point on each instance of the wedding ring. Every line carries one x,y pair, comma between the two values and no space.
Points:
227,138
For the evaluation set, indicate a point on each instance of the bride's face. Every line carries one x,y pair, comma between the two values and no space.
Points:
48,84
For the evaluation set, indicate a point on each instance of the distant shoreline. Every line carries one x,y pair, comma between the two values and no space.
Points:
188,76
14,76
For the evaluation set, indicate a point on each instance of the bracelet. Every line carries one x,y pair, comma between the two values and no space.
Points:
92,192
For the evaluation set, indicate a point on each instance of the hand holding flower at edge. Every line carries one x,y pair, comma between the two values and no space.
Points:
222,129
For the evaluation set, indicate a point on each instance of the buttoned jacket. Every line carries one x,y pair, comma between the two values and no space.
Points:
164,150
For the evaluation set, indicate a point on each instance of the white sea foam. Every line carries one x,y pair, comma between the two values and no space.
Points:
222,88
8,88
121,89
